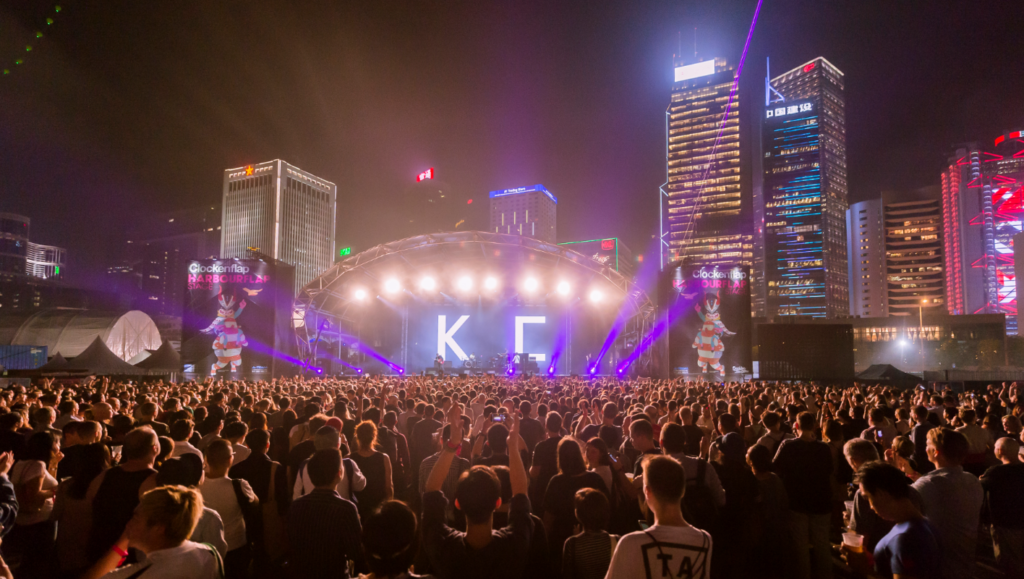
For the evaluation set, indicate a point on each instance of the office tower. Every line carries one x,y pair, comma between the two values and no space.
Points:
529,211
610,252
982,209
19,256
283,212
913,254
866,268
803,193
705,218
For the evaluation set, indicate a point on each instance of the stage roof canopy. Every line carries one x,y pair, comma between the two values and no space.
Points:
447,258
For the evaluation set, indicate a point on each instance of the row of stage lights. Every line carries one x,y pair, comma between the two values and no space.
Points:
465,284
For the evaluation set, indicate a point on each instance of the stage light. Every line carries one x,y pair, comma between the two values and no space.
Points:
551,370
596,296
563,288
359,294
318,370
903,343
464,284
510,371
392,286
593,370
531,284
491,283
401,371
359,370
428,283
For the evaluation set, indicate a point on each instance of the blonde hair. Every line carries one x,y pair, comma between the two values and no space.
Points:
175,507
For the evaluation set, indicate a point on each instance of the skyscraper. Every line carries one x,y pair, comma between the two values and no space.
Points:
866,268
528,211
19,256
804,194
705,218
982,210
284,212
913,254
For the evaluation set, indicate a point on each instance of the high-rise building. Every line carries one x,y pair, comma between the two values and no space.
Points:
152,269
282,212
19,256
866,267
610,252
913,255
705,217
804,194
528,211
982,209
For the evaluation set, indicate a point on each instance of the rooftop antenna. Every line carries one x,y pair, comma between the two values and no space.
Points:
695,43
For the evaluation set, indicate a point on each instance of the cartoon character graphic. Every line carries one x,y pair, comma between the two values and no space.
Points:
709,340
230,339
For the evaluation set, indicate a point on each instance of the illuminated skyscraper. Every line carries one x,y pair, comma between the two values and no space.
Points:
19,256
982,211
804,194
705,218
527,211
284,212
866,268
913,253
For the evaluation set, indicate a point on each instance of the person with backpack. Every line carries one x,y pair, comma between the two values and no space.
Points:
237,506
672,547
704,494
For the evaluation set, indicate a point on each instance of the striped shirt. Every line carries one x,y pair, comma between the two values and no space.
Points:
587,555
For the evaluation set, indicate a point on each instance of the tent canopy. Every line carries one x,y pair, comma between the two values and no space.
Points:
164,358
886,373
56,364
69,331
97,359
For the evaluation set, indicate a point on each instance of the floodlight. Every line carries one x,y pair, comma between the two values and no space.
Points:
464,284
531,284
428,283
491,283
392,286
359,294
563,288
596,296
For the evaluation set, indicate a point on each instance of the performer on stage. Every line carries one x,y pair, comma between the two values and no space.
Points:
439,364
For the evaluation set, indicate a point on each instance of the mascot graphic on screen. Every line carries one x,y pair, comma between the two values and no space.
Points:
709,340
229,337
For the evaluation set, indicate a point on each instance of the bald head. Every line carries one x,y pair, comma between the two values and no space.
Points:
1007,449
102,411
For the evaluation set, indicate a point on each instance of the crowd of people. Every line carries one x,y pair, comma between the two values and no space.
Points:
526,477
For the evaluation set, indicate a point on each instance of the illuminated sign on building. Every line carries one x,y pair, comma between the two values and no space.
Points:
788,110
521,190
607,244
695,70
248,170
428,174
345,251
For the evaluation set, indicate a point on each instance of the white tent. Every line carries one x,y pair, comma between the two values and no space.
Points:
70,331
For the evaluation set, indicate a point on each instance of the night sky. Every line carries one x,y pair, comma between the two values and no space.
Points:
127,107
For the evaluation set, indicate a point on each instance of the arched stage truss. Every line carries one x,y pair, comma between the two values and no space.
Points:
336,299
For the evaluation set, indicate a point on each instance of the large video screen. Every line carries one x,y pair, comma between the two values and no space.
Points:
232,319
708,312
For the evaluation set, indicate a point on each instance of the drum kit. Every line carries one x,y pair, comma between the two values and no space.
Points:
495,362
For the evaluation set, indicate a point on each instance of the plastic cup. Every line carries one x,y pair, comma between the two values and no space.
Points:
854,541
849,506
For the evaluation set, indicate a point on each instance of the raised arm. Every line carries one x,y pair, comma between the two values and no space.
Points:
517,473
439,473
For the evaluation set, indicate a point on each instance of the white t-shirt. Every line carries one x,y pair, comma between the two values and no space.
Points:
677,552
187,560
24,471
219,495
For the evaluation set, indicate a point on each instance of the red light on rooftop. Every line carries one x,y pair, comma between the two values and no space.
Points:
809,67
470,202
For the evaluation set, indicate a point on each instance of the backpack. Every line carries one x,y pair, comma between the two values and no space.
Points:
699,507
252,513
